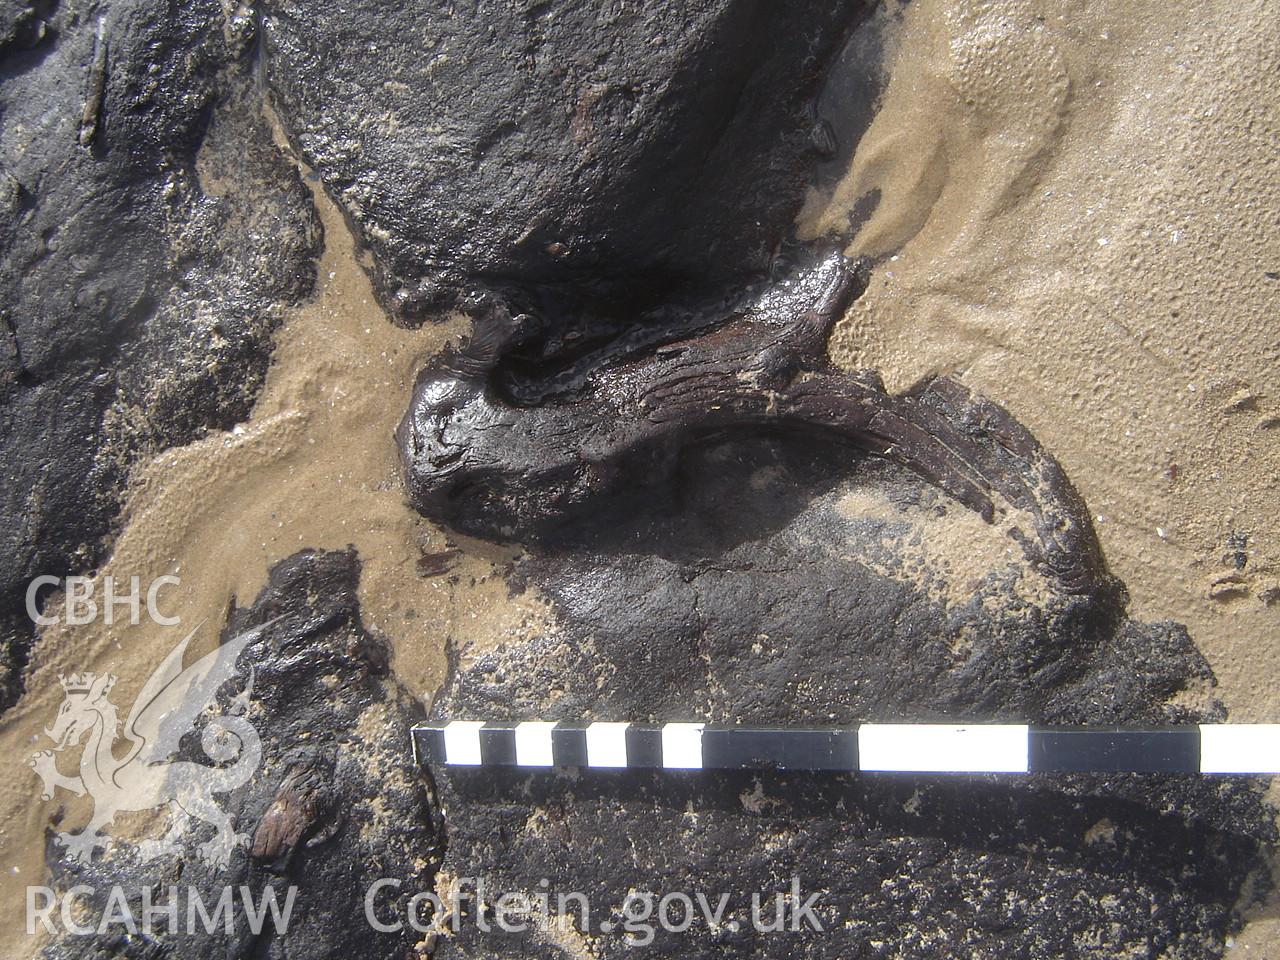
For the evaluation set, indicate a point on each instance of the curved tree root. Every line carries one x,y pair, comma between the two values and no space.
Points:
478,460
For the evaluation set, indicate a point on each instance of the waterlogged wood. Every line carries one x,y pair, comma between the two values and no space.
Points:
478,458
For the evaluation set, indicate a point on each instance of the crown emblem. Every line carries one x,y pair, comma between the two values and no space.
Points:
77,682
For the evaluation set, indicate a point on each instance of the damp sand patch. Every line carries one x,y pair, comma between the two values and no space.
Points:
314,466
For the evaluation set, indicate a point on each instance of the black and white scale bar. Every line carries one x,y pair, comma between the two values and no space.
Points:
870,747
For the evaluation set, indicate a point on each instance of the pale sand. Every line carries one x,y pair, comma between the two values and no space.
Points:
1083,199
1084,203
